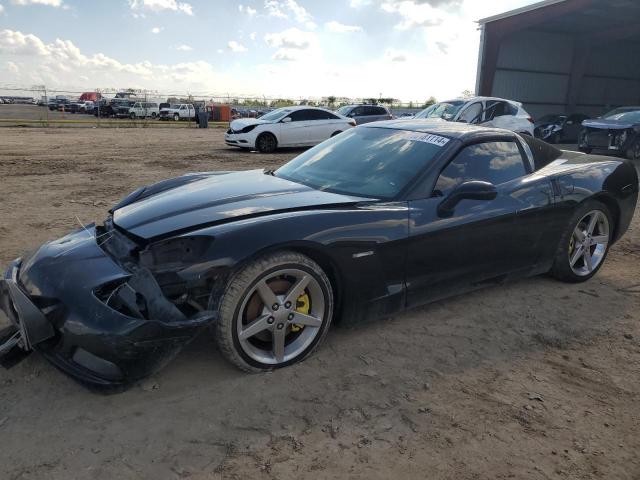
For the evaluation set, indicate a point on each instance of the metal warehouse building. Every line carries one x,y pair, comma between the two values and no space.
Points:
563,56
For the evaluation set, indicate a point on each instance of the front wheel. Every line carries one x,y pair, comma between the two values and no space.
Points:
274,312
266,143
585,243
132,116
176,117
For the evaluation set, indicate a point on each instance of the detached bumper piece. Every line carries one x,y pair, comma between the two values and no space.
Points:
28,326
99,323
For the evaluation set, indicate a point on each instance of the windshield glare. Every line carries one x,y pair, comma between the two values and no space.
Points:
625,114
276,114
445,110
364,162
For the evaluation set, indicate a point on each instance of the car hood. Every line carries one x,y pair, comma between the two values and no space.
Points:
609,124
193,202
245,122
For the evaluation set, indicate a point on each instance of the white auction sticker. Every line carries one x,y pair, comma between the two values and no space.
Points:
427,138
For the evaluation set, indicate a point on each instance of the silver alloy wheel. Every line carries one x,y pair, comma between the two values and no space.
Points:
588,244
280,331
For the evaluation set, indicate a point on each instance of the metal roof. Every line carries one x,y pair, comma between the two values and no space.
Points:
519,11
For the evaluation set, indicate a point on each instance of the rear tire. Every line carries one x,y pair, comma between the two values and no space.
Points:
176,117
580,240
248,326
266,143
634,152
132,116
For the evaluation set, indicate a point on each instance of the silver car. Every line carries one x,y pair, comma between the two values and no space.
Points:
365,113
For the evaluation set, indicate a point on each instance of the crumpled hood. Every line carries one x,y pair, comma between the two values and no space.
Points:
245,122
610,124
216,199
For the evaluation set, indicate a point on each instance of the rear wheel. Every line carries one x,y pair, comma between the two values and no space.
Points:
266,143
176,117
133,116
585,244
634,152
275,312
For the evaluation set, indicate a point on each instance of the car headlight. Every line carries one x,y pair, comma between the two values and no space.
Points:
248,129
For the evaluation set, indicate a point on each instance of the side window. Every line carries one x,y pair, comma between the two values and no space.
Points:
320,115
472,114
379,111
359,112
499,109
494,162
301,115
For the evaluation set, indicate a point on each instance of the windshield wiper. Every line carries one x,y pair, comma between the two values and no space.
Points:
268,171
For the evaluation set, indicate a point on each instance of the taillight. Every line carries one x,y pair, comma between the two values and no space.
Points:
530,120
352,123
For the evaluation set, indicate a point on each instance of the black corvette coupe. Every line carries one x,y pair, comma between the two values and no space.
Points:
381,218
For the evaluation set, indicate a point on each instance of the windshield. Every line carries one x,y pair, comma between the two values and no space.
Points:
344,110
275,115
445,110
626,114
553,119
365,162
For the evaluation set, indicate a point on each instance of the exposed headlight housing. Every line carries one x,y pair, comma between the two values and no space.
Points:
622,138
248,129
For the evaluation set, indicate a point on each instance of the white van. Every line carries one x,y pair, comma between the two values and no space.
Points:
144,110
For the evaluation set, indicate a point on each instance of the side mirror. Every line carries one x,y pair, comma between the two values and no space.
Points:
474,190
287,120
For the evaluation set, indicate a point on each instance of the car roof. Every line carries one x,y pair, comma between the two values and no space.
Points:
304,107
460,131
479,99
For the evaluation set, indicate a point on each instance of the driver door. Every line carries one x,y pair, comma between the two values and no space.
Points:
481,241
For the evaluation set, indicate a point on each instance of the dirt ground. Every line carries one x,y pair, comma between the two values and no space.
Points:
536,380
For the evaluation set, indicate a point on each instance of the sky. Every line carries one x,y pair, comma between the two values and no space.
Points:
405,49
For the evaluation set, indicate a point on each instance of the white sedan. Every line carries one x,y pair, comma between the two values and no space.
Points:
287,127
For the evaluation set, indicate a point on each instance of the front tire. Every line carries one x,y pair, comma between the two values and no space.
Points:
585,243
176,117
266,143
274,312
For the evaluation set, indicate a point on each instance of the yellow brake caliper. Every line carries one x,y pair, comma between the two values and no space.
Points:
303,305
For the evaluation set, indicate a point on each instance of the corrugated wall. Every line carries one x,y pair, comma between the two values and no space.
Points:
534,68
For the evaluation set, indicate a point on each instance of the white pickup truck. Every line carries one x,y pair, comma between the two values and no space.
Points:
184,111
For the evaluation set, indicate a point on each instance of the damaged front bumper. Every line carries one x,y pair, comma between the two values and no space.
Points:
57,304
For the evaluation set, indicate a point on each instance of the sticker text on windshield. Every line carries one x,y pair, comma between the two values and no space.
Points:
428,138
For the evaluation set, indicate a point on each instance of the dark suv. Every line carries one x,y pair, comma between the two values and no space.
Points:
365,113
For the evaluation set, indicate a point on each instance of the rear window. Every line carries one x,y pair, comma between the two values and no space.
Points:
543,153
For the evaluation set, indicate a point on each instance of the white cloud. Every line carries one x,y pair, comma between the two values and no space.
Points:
414,14
291,38
17,43
158,5
184,48
156,30
1,8
337,27
248,10
289,9
50,3
393,55
359,3
253,36
13,68
236,47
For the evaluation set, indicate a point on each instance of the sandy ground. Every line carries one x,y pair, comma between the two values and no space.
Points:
536,380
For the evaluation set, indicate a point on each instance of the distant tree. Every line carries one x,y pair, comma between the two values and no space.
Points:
468,94
370,101
431,101
331,101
